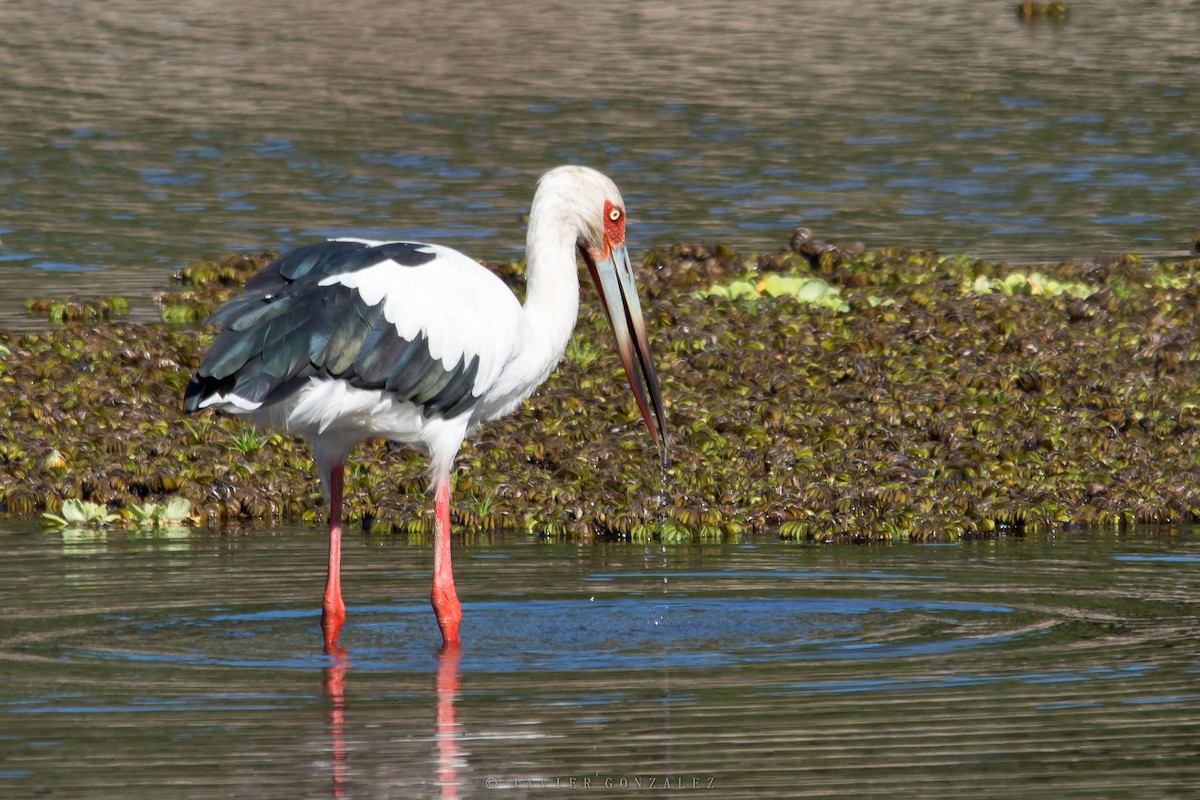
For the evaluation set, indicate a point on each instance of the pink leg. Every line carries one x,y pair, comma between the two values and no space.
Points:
445,599
333,610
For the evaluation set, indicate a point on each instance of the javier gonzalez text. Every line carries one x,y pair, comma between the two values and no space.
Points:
634,783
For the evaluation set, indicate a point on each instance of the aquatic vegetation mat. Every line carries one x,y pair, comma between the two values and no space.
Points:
825,393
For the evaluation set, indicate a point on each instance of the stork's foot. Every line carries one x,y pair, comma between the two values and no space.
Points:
332,618
449,613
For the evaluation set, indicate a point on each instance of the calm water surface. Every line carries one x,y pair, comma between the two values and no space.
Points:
189,666
139,134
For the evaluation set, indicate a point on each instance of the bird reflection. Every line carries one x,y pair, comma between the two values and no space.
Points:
335,691
447,731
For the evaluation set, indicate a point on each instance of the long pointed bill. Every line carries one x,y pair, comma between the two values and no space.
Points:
614,279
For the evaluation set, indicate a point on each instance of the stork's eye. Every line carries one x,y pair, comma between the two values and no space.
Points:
614,223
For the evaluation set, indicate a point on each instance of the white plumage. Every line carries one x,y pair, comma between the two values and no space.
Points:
477,314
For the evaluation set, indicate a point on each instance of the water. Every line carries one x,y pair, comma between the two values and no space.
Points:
189,666
140,135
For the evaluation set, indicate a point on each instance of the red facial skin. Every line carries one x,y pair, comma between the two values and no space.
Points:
614,226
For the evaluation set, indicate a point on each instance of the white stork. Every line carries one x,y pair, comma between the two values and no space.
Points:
350,339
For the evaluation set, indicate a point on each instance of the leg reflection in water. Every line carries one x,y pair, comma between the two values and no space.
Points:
446,733
448,730
335,692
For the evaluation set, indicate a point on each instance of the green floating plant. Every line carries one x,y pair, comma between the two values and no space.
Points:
78,309
161,515
582,352
183,314
1033,283
250,440
81,514
938,408
809,290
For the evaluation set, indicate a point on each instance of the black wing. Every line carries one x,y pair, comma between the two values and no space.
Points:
286,328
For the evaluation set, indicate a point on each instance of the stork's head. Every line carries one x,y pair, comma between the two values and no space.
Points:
591,206
586,203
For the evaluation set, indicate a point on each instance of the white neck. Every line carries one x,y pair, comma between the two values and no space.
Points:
551,291
548,316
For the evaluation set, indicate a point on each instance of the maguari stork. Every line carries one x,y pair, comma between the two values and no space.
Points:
351,339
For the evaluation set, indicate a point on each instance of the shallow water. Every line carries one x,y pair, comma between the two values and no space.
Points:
141,135
189,666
